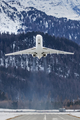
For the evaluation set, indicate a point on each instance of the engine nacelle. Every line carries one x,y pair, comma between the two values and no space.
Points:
44,55
34,55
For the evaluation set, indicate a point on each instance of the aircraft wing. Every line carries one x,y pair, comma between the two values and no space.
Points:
53,51
27,51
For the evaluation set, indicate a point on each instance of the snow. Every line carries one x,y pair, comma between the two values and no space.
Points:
4,116
6,23
57,8
77,114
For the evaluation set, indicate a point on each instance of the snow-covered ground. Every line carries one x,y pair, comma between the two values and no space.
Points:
77,114
7,113
5,116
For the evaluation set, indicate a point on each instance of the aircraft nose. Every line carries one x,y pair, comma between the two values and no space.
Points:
38,36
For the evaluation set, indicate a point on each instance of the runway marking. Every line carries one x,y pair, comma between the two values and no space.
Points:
44,117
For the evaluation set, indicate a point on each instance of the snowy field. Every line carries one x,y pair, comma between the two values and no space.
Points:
5,116
7,113
76,114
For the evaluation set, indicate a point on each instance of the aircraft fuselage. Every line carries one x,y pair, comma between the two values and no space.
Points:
39,47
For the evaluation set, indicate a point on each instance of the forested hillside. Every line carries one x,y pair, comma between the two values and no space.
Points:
39,83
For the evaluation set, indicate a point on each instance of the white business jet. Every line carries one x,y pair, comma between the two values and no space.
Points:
39,51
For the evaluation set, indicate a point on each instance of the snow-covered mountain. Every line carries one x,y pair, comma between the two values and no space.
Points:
6,23
57,8
16,18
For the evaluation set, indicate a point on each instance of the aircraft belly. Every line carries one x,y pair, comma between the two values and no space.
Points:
39,52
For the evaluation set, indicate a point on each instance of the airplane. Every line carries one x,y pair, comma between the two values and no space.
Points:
39,51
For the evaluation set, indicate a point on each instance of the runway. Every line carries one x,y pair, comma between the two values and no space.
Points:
46,117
